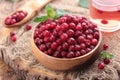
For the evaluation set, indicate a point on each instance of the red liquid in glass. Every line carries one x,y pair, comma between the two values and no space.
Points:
105,13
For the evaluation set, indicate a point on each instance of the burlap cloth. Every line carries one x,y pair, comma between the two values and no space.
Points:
20,53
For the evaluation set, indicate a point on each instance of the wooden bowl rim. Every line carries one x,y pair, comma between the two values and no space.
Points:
67,59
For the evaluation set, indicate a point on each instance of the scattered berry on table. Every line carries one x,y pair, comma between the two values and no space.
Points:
101,65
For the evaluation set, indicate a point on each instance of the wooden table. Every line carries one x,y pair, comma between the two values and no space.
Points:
21,64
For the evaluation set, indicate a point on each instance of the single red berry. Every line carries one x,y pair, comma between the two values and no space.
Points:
92,47
80,39
13,21
14,16
57,54
88,50
77,54
94,41
71,48
37,41
50,51
58,28
96,35
12,34
24,12
59,48
70,32
78,33
53,24
104,21
79,27
28,27
70,55
48,45
64,26
42,47
77,47
55,33
46,33
63,53
52,38
59,41
105,46
64,37
90,36
13,38
101,65
21,16
106,61
65,46
47,26
8,21
83,46
83,52
72,26
54,45
46,39
71,41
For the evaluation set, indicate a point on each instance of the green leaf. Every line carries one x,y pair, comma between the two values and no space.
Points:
106,54
84,3
41,19
60,12
50,11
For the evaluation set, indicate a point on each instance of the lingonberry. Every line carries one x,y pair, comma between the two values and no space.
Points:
94,41
42,47
106,61
70,54
13,38
101,65
65,45
54,45
77,53
71,48
64,37
28,27
63,54
71,41
12,34
70,32
105,46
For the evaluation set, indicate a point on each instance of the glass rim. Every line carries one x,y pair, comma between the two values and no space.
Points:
105,5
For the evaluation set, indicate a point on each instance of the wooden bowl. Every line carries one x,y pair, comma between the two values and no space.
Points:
62,63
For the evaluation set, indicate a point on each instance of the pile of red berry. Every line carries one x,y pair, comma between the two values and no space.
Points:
16,17
67,37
